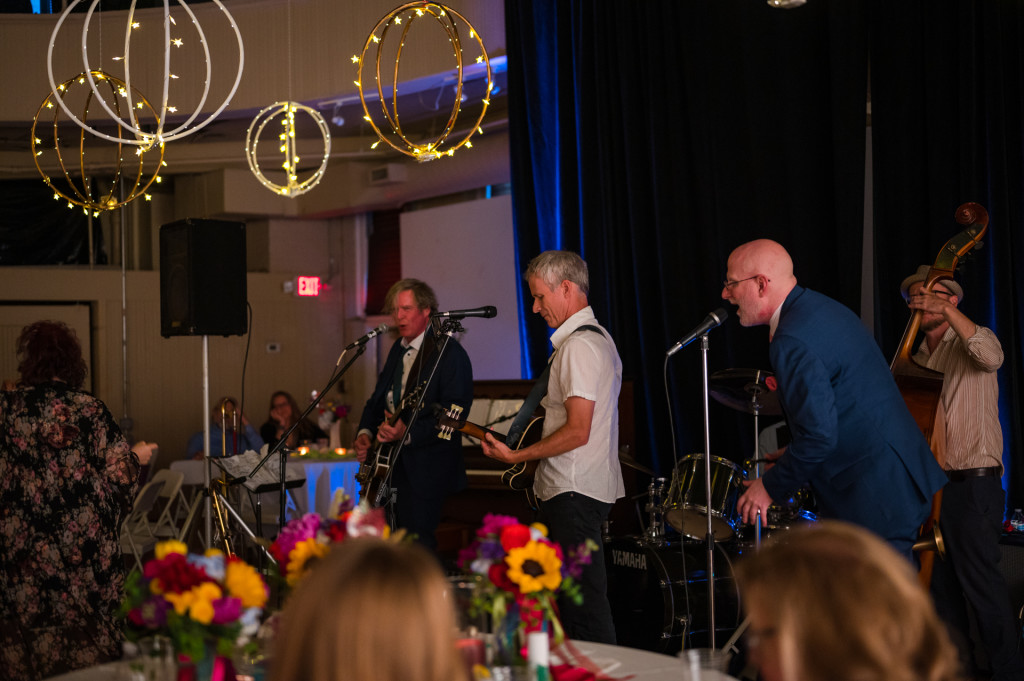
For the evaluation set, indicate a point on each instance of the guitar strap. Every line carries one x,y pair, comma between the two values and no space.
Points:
536,394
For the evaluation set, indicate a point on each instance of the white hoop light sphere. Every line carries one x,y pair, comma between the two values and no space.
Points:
286,142
140,136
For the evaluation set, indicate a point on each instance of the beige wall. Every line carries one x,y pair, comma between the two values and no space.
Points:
165,375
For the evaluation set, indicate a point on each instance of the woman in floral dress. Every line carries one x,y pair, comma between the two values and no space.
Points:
67,479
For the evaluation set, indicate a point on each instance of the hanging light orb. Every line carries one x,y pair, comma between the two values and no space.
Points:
404,17
46,139
287,146
132,131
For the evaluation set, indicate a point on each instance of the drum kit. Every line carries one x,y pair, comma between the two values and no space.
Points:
658,581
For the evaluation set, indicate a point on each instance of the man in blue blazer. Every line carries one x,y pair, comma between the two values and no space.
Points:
854,441
428,468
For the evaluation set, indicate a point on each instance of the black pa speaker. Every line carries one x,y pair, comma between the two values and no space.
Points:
202,278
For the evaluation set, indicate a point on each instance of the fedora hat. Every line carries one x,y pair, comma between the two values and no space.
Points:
921,275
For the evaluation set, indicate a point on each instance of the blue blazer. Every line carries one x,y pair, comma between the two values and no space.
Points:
854,441
437,463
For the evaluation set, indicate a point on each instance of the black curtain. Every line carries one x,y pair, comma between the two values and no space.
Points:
655,138
947,84
658,138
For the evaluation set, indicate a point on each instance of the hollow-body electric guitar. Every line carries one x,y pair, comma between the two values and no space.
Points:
519,476
375,470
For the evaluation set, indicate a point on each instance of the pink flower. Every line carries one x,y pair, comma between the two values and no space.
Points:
494,523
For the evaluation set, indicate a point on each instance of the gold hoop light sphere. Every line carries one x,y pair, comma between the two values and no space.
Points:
286,145
46,139
446,17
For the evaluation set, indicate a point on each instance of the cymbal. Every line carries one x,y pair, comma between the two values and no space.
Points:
626,458
746,390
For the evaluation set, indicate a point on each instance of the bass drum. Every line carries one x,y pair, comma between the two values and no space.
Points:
659,594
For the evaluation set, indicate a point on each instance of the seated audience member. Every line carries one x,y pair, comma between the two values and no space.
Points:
284,412
235,437
67,480
344,621
833,601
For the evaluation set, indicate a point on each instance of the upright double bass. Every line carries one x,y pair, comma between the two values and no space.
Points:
920,386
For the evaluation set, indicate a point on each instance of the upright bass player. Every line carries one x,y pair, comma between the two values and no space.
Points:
968,439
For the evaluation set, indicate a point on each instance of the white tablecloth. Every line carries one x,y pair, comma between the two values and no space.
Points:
323,479
619,662
615,661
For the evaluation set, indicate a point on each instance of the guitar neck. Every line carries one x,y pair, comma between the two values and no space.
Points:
479,432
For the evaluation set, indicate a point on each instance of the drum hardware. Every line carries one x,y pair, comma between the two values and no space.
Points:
933,542
751,391
655,508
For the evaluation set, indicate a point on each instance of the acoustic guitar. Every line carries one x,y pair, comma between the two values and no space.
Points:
374,471
518,477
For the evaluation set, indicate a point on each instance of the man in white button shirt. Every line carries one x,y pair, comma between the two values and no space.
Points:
578,476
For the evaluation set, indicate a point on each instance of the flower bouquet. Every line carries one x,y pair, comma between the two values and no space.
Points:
199,602
523,572
306,539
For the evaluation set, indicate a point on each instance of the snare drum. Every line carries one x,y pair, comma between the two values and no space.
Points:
659,594
687,506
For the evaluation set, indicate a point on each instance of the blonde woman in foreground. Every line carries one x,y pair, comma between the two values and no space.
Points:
833,602
372,609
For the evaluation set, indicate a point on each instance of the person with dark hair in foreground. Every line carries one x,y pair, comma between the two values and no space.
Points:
67,480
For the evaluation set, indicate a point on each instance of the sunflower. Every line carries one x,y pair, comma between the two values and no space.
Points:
300,556
534,566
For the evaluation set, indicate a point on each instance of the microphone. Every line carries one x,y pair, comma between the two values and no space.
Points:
710,322
486,312
363,340
372,333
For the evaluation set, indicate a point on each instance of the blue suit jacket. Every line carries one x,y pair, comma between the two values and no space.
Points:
427,459
854,440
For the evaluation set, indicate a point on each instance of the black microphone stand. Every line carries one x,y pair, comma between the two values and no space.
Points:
280,446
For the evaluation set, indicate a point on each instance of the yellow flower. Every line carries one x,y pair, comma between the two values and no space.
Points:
540,527
165,548
201,609
302,553
197,601
534,567
245,583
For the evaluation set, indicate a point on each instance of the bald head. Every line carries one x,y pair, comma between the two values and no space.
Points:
760,276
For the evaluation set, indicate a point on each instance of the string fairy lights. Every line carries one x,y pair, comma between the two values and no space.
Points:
288,142
287,146
398,139
133,130
89,196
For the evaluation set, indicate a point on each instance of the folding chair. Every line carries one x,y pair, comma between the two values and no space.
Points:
136,535
173,502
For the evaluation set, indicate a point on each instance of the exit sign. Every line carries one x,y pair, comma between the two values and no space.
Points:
308,286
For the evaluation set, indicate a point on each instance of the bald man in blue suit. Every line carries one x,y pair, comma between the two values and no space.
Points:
854,441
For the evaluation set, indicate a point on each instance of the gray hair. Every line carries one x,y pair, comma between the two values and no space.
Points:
554,267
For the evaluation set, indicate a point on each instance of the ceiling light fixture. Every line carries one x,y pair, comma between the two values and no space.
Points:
135,133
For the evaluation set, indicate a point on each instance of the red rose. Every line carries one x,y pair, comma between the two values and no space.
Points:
514,536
